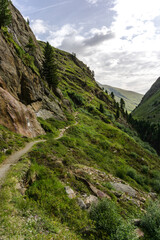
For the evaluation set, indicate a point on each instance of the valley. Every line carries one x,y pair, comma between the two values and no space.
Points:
132,99
73,165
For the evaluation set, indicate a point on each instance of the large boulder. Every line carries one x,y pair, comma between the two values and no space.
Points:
18,117
125,189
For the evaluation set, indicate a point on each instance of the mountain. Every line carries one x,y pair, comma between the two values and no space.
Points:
132,99
149,107
20,83
91,176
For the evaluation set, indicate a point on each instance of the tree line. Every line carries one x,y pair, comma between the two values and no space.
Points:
148,132
5,13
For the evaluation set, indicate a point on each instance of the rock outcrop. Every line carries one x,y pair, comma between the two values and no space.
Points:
18,117
23,94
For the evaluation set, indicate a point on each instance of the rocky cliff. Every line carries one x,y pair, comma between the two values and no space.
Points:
22,93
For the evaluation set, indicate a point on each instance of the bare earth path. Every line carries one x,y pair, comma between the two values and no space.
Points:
12,159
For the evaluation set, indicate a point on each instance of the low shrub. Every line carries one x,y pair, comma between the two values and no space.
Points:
155,181
151,221
145,169
109,223
106,218
76,98
124,232
121,172
132,173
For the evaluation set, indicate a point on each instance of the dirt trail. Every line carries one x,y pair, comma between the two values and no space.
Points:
62,131
12,159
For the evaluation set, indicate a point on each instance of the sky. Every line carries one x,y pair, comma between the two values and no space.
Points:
118,39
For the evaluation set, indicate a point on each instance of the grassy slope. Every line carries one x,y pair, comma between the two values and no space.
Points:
33,202
9,142
49,167
132,99
149,109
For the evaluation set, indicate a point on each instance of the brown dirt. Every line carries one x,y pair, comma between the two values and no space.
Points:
13,159
5,166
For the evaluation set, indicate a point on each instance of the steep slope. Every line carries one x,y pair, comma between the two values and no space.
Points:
132,99
91,182
149,108
20,82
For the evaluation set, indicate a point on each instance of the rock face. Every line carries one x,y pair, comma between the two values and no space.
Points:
21,33
125,188
23,95
18,117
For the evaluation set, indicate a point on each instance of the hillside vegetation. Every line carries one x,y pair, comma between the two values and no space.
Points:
92,177
51,189
132,99
148,109
145,118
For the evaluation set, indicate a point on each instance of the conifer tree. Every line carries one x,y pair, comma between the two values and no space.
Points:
122,103
112,95
49,70
5,13
101,108
117,114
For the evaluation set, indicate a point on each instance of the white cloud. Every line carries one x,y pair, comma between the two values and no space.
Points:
39,27
125,55
135,23
92,1
67,31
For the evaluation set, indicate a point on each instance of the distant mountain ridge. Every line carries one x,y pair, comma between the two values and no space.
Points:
149,107
132,99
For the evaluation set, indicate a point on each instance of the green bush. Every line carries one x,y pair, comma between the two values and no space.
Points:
91,108
124,232
109,223
145,169
106,218
155,185
155,174
121,172
155,181
151,221
76,98
132,173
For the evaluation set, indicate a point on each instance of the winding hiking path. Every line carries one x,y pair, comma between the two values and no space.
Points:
14,158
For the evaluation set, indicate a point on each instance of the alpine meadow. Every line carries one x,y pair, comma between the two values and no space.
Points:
76,162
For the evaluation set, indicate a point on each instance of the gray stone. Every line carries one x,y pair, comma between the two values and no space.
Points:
125,188
81,203
139,233
153,195
90,200
71,194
